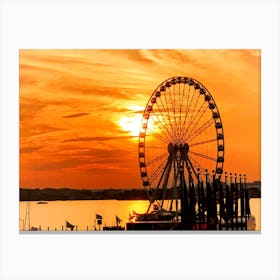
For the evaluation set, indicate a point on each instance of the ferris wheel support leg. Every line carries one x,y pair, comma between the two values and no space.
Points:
184,200
175,191
154,198
189,163
164,186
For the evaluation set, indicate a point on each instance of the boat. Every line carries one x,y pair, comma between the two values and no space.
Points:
42,202
155,215
157,219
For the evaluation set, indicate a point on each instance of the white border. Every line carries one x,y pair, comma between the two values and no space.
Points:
143,24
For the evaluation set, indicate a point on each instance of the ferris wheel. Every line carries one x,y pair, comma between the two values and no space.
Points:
181,131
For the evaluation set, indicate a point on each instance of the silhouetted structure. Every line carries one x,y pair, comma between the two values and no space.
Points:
210,205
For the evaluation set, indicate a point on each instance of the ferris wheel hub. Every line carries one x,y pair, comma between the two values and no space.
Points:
174,148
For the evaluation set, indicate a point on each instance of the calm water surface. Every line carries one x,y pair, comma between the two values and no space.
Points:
81,213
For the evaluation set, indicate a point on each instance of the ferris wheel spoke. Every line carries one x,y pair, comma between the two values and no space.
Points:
186,107
181,104
163,127
203,142
172,109
172,101
193,116
203,156
201,129
188,104
167,113
157,135
194,162
156,159
202,112
155,173
194,110
201,168
167,125
155,147
164,133
179,108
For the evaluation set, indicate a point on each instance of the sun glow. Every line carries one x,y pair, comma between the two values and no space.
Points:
94,119
131,124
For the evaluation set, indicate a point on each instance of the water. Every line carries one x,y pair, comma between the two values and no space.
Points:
82,213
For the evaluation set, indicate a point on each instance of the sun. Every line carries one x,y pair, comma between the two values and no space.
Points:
131,124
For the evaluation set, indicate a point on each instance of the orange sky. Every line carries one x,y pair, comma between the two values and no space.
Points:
79,111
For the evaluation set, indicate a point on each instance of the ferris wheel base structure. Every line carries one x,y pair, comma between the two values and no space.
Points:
215,206
181,138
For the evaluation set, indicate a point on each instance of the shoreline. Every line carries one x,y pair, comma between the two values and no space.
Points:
64,194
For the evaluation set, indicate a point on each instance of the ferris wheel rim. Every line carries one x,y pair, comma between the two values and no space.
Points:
146,115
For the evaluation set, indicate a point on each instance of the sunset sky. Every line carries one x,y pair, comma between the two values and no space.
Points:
80,111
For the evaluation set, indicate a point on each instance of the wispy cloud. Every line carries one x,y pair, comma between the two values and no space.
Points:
139,56
75,115
72,101
97,139
30,149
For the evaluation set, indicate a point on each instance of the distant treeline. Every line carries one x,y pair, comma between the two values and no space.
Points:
49,194
76,194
